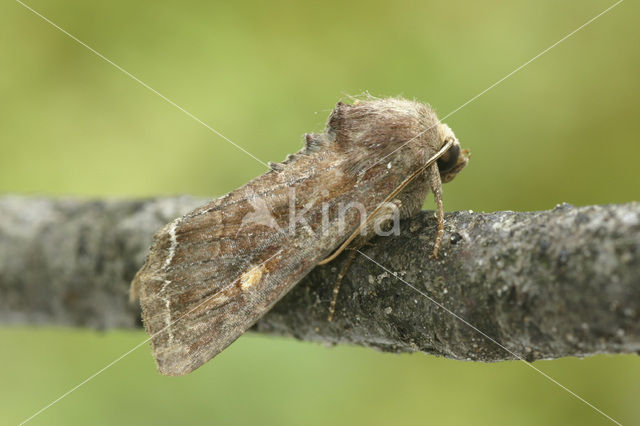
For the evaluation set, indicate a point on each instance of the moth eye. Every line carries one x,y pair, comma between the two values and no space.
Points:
449,160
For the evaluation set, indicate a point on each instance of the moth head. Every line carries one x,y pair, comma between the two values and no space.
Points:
454,160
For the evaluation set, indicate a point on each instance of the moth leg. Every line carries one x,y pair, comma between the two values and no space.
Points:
336,287
385,216
436,186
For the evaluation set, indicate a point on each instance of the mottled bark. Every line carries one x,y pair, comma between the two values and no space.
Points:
543,284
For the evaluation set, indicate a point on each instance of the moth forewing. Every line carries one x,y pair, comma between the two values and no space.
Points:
214,272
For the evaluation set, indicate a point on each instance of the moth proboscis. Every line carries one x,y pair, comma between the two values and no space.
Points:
212,273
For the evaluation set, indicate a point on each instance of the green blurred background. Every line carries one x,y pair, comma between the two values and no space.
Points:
263,73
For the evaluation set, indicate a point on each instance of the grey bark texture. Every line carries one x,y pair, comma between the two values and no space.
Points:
564,282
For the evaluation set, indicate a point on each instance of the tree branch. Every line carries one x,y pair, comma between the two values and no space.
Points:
542,284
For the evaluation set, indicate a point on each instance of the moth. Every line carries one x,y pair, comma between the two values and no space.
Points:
211,274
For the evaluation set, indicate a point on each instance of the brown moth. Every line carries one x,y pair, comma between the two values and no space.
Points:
211,274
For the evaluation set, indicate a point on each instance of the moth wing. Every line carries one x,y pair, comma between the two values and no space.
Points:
213,273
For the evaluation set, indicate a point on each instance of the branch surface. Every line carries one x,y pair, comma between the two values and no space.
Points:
563,282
